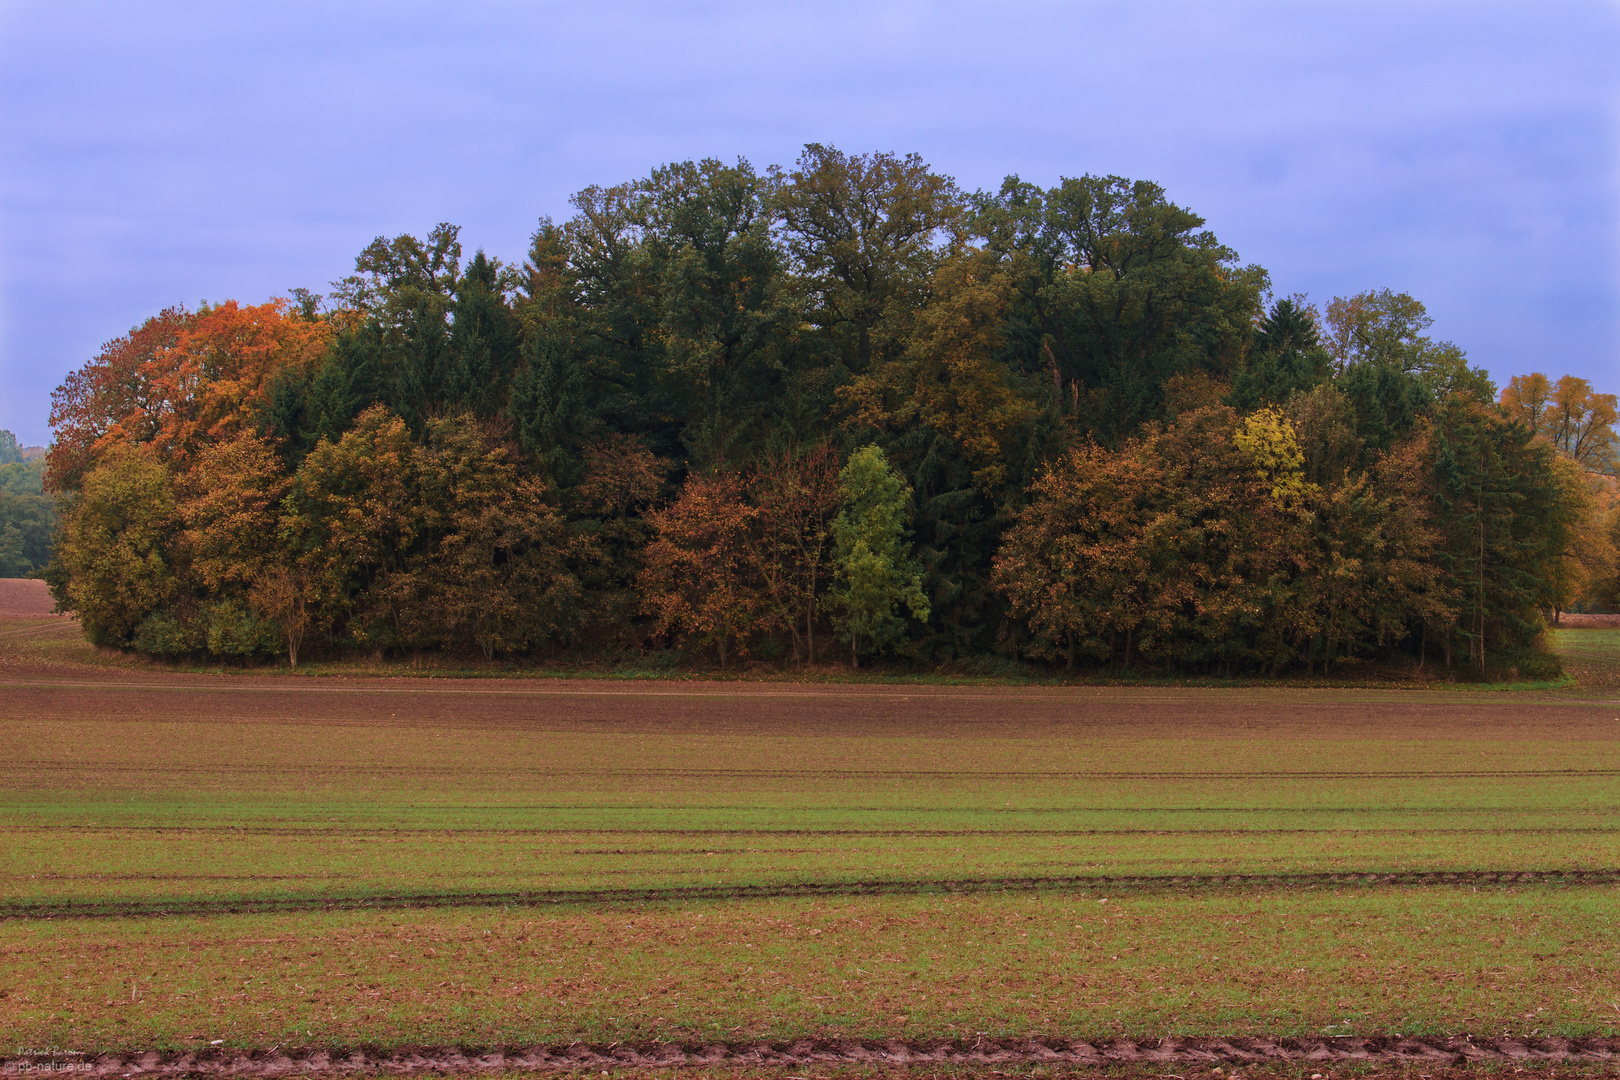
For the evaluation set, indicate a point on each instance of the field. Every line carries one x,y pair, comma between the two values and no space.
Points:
344,864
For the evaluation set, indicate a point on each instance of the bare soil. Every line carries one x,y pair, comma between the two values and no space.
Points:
25,598
1453,1055
1571,621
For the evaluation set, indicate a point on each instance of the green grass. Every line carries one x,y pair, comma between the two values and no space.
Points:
121,786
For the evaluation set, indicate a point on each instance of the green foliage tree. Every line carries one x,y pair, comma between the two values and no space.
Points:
1385,329
866,231
1120,291
1507,515
873,569
116,546
1287,358
27,519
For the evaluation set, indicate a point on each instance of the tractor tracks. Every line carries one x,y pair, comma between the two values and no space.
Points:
822,1053
1116,885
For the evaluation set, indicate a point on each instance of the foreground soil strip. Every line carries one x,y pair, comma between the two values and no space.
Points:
537,898
1455,1050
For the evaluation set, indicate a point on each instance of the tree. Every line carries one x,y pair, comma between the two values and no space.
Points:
795,495
1527,399
867,231
179,382
1287,358
27,519
950,377
230,504
698,582
1385,328
1581,424
874,571
116,543
1119,291
350,520
490,565
281,594
725,303
1506,515
621,480
115,389
1074,566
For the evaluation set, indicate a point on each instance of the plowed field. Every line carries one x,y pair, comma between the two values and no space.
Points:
330,863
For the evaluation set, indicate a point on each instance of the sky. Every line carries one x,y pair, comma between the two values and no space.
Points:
156,154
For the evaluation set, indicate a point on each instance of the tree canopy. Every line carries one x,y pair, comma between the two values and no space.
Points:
734,412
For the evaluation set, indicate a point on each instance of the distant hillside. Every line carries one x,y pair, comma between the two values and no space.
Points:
31,453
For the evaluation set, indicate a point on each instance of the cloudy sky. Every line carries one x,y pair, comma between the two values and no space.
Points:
153,154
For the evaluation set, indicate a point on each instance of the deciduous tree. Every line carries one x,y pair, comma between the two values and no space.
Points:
874,572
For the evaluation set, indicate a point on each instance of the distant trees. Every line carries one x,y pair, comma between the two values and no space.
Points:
736,412
27,514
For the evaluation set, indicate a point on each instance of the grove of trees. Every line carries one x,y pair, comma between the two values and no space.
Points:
752,414
27,514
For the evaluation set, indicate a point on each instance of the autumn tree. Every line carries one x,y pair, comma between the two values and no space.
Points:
282,595
120,388
621,480
1581,423
699,583
230,505
794,494
1076,565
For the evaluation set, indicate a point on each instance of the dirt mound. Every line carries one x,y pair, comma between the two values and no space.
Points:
24,598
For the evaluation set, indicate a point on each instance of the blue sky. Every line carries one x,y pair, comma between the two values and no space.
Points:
151,154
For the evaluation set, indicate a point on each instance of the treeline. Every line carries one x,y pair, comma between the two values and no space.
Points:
27,514
746,414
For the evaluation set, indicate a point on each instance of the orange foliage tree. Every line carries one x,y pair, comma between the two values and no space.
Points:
699,582
795,496
180,380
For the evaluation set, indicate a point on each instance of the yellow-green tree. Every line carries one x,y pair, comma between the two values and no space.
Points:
114,553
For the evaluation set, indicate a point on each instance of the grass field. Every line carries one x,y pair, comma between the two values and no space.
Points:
345,861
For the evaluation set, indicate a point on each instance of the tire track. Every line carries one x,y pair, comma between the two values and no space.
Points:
871,1054
1152,884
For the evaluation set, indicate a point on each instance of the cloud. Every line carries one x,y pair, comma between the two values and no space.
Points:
1464,152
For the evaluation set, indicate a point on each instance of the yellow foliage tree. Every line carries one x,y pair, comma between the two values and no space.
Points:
1267,437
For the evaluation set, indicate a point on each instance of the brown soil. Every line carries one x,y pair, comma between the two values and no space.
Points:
25,598
1571,621
1437,1057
